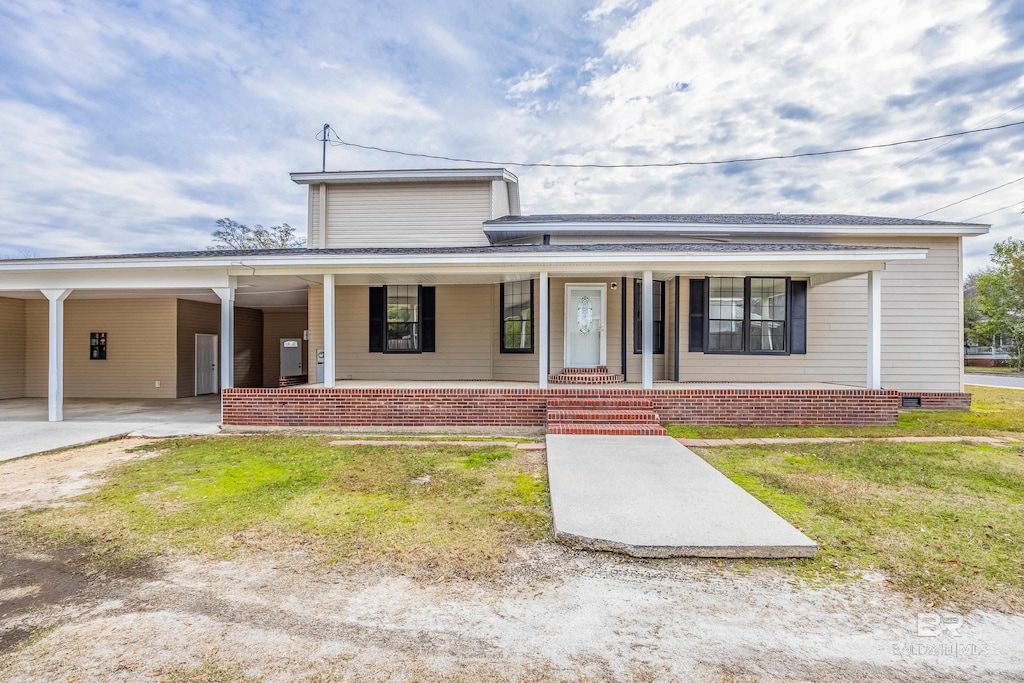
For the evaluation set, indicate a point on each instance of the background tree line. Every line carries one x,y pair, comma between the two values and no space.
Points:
994,301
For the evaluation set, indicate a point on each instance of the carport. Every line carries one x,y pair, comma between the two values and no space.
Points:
129,337
27,429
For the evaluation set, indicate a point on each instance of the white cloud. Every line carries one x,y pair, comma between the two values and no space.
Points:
606,7
530,82
161,119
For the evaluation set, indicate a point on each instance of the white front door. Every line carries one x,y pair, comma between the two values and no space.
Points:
584,326
291,357
206,364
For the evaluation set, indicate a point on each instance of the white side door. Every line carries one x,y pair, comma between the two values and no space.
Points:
206,364
584,326
291,357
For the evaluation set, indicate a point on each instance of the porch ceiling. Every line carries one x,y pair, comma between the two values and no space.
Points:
282,292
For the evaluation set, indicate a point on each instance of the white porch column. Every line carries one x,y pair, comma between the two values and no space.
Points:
545,315
329,339
648,331
874,378
55,392
227,334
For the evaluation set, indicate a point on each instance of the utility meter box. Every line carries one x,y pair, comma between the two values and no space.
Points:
320,366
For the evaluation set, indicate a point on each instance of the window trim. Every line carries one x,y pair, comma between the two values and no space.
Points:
637,316
746,351
501,323
419,322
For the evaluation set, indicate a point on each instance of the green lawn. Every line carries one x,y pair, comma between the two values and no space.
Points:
941,521
994,412
428,510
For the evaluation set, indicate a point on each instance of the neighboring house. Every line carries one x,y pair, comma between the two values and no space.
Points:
425,298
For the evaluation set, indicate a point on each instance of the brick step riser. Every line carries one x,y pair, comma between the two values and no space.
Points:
602,416
602,369
586,379
599,403
608,430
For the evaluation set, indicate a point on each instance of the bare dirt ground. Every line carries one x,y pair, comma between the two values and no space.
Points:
558,615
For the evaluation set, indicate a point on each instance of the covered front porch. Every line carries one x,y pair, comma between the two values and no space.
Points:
701,333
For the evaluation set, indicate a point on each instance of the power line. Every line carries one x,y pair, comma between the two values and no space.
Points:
989,213
670,164
917,158
961,201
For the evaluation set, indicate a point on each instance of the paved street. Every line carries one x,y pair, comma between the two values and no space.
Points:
995,381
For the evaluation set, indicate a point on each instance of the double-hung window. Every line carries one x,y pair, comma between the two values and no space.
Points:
402,319
517,317
658,294
751,315
402,331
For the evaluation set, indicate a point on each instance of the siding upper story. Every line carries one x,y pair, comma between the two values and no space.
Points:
411,214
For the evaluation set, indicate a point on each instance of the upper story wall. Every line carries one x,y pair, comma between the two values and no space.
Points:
405,214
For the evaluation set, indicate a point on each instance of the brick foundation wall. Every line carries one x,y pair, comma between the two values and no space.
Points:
527,407
939,400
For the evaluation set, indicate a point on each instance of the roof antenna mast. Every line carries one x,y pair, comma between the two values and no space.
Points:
323,161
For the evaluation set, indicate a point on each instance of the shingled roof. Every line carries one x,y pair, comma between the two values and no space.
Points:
633,247
719,219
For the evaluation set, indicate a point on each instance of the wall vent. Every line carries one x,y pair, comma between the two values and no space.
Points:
911,401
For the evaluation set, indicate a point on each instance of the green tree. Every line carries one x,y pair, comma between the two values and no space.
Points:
972,311
234,235
1001,297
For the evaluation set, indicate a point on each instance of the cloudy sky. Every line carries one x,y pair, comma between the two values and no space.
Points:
134,126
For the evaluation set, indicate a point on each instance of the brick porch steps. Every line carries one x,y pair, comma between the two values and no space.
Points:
604,402
598,375
607,429
603,415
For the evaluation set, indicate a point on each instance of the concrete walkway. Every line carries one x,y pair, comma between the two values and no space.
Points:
989,440
25,431
649,496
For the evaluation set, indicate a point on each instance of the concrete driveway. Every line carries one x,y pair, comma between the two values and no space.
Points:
995,381
25,431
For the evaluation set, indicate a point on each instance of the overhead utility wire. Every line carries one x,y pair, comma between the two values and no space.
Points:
917,158
961,201
989,213
338,141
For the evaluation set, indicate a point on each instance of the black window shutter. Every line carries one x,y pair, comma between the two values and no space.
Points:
428,317
798,316
697,315
377,306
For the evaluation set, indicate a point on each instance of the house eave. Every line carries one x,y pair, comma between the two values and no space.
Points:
504,232
404,175
489,259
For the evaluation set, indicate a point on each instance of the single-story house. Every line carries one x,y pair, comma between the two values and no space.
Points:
425,298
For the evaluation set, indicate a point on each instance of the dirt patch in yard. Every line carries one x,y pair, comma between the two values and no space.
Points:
52,478
555,615
568,616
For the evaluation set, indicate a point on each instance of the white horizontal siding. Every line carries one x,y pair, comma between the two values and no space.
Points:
465,326
921,328
12,348
408,214
499,199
